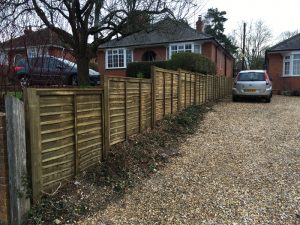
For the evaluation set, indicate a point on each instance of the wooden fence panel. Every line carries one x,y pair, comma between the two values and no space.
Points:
65,133
117,110
129,107
166,85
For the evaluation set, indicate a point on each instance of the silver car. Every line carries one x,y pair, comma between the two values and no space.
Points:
252,83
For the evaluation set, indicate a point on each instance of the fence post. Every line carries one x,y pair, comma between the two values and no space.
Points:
179,92
172,92
16,147
106,116
195,90
153,78
76,153
140,106
32,107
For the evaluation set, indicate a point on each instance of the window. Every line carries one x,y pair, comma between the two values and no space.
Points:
3,58
36,51
118,58
296,64
287,65
183,47
291,65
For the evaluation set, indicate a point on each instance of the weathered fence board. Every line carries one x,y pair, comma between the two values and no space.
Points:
16,146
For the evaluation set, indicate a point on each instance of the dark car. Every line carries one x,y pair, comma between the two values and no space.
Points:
50,71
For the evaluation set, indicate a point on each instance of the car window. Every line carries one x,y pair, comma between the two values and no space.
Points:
252,76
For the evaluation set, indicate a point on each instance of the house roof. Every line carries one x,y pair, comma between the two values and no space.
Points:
289,44
34,38
165,31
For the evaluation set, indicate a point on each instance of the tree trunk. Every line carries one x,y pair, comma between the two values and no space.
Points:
83,70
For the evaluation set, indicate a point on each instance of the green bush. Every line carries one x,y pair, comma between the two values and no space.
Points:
143,69
93,66
192,62
184,60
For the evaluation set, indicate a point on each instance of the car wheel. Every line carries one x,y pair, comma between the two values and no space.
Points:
268,99
74,80
24,81
234,98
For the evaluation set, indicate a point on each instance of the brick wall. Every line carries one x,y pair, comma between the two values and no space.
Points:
275,70
4,196
111,72
160,52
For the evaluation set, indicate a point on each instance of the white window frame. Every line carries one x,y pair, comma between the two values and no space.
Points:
124,58
171,52
291,61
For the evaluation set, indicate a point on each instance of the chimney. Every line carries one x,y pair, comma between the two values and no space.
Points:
28,30
199,24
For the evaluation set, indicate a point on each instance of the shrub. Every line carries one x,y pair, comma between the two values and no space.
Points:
93,65
143,69
291,92
192,62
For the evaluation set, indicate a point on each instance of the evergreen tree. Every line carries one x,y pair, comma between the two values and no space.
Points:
214,26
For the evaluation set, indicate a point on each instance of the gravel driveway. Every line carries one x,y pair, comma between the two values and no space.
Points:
241,167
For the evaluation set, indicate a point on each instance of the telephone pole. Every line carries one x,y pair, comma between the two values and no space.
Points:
243,50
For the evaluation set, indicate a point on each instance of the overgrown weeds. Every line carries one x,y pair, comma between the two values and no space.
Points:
127,164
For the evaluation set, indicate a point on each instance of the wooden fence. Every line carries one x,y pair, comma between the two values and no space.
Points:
71,129
65,134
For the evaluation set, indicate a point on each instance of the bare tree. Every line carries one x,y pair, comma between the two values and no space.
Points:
258,39
77,21
286,35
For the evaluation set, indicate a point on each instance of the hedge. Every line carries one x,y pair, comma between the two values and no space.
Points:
192,62
143,69
184,60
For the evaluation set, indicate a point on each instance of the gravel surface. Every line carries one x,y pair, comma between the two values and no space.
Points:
242,166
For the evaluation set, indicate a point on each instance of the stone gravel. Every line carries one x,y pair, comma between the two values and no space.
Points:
242,166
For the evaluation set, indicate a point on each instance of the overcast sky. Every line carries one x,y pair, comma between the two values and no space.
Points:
278,15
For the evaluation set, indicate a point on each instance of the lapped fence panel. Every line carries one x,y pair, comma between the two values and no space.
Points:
65,134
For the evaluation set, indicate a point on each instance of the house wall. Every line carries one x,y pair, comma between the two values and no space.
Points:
4,191
209,49
61,53
52,51
275,71
102,70
137,57
229,67
161,53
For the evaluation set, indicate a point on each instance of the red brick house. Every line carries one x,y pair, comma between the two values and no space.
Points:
34,43
283,64
158,43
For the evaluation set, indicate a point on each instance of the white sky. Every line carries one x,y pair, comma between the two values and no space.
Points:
278,15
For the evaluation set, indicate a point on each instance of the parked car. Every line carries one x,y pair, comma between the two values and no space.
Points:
50,70
252,83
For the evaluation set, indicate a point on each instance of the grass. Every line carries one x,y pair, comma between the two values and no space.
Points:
17,94
127,165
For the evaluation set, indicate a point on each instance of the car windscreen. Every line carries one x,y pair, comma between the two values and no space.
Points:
252,76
